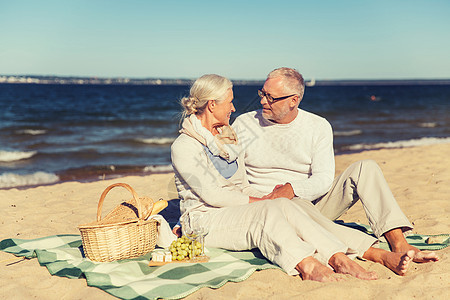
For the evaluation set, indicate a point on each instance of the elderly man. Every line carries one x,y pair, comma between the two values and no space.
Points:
283,143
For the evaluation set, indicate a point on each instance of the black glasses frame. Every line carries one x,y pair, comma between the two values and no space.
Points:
271,99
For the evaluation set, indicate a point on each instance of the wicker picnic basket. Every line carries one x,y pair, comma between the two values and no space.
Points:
123,233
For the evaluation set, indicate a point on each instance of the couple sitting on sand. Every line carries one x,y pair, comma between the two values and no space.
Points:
268,183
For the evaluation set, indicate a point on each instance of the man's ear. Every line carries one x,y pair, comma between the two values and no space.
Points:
295,102
211,105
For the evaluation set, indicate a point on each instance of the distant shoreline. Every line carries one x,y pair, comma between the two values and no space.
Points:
70,80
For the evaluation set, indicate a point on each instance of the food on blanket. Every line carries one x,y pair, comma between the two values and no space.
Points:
159,256
159,206
181,248
436,239
167,256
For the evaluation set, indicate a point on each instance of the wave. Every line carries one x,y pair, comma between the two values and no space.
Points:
428,124
159,169
348,133
10,156
9,180
157,141
32,131
400,144
87,173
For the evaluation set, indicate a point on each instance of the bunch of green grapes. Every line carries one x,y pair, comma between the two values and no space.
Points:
181,248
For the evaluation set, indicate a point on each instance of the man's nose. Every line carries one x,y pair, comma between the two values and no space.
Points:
263,100
233,109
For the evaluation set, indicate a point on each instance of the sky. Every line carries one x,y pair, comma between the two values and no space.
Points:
383,39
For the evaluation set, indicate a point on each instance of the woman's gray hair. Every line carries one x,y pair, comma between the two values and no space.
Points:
208,87
292,79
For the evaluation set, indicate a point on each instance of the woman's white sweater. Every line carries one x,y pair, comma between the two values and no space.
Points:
200,186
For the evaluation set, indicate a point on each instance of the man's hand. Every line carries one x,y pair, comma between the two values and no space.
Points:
279,191
283,191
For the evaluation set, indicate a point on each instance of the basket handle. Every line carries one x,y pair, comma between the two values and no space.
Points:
129,188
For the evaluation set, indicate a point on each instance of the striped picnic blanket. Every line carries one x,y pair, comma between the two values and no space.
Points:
134,279
417,240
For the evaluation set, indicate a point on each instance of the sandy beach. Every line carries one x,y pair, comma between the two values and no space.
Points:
419,178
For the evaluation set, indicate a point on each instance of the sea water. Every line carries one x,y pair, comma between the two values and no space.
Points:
51,133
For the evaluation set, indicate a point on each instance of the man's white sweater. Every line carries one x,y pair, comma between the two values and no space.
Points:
300,153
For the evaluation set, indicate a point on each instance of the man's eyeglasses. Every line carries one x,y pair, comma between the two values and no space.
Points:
271,99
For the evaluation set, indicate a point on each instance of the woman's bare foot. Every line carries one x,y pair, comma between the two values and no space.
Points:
398,243
394,261
344,265
311,269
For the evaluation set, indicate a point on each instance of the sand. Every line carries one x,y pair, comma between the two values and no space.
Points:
419,178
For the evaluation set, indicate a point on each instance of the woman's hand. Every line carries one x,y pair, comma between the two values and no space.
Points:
177,231
277,187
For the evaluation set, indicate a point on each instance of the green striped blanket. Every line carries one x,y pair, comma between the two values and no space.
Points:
134,279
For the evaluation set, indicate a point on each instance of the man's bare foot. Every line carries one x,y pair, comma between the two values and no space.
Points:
399,262
398,243
311,269
419,256
394,261
344,265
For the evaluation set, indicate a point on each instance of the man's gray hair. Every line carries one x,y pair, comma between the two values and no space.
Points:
292,80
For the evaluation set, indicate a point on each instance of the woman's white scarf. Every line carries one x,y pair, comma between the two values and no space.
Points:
223,144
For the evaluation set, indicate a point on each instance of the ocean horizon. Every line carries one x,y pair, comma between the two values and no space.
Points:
99,80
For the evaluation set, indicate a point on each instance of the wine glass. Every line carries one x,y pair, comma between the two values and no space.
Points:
198,222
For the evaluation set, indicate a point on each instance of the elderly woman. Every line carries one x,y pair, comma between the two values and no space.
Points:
210,178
